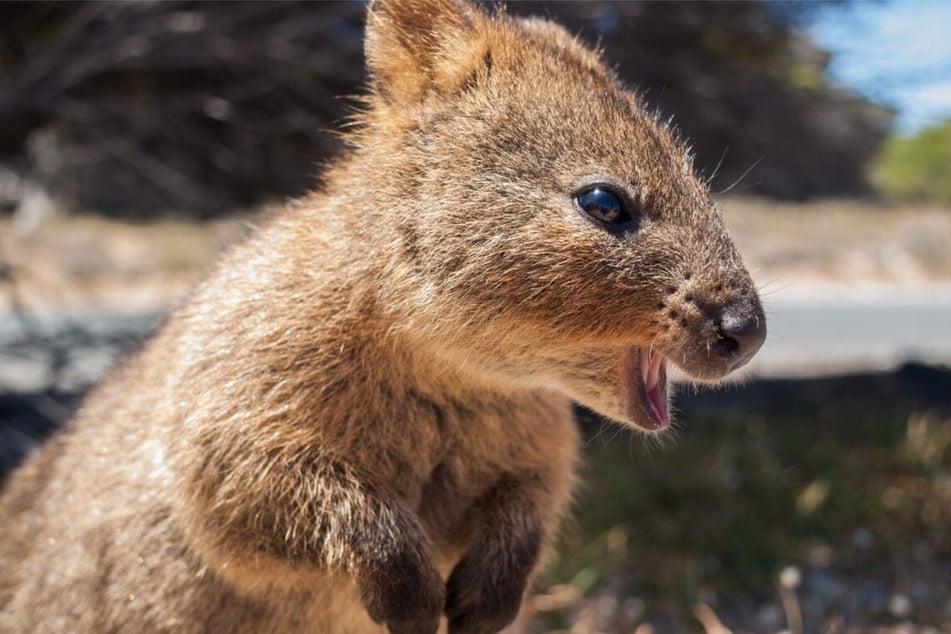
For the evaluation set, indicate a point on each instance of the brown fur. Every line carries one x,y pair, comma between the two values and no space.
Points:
363,415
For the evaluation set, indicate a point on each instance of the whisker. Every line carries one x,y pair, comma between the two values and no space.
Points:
716,170
742,176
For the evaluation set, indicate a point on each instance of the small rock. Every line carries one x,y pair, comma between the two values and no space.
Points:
899,606
790,577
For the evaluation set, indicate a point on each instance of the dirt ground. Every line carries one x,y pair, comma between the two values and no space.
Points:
844,241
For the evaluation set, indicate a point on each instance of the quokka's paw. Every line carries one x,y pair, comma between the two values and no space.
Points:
405,593
484,594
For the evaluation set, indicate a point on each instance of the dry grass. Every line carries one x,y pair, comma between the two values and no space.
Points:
841,240
808,506
85,262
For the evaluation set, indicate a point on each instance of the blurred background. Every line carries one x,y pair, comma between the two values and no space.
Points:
137,139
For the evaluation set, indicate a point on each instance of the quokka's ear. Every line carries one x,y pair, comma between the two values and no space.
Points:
417,46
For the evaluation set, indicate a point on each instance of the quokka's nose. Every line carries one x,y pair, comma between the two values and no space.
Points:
740,330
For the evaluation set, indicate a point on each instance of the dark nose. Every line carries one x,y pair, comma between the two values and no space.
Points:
740,331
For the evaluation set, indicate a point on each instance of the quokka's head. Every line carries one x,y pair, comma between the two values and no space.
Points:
552,230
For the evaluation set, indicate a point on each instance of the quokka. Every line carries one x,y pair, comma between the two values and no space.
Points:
361,421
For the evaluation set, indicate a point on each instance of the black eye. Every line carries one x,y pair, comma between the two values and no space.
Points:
603,205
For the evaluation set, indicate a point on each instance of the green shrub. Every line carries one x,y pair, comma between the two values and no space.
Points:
918,166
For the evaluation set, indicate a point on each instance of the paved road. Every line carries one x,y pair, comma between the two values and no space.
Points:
71,353
826,329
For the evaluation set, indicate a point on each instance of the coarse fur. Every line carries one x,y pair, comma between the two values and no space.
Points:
361,420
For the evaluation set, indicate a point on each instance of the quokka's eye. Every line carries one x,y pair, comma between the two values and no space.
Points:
602,204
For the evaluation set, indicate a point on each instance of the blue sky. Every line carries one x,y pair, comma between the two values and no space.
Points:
897,52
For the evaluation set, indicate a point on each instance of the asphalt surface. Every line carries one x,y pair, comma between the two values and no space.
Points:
817,330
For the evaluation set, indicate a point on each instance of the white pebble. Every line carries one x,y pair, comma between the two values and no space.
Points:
790,577
899,606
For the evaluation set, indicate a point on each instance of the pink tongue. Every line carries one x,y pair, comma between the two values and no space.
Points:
655,385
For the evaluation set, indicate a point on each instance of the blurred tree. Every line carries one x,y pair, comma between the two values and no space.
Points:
917,166
195,106
746,86
135,107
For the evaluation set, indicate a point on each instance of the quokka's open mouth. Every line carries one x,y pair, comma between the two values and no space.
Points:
654,386
646,378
